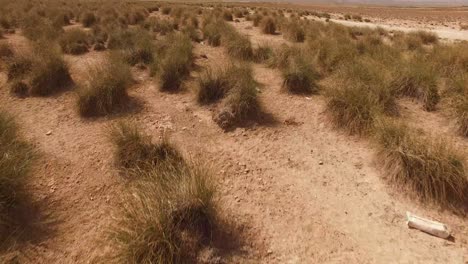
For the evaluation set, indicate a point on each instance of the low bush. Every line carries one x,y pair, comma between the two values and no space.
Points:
432,167
6,51
238,46
106,91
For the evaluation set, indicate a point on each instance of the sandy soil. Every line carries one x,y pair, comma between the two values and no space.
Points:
302,191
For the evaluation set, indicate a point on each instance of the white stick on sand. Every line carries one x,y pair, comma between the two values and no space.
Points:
431,227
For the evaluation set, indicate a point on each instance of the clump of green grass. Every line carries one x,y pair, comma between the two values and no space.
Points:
176,64
106,91
212,86
268,25
18,66
241,103
171,210
16,157
74,41
432,167
300,77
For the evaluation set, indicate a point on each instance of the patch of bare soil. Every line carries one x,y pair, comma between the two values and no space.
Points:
301,191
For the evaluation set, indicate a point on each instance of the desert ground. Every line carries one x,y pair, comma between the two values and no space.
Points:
157,132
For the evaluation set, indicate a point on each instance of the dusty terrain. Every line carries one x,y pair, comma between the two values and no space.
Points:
302,191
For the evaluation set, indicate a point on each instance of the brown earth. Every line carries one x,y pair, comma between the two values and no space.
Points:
301,191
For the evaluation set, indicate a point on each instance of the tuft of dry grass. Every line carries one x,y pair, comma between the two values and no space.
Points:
136,151
430,166
300,77
16,157
106,91
293,31
74,41
418,79
241,103
170,211
268,25
88,19
176,64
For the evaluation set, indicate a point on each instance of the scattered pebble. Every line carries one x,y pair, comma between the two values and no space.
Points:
320,162
49,133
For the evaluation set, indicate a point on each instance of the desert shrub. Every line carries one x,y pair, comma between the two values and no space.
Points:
134,150
241,103
176,64
268,25
88,19
430,166
357,18
49,73
418,79
74,41
294,32
16,157
106,91
191,32
300,77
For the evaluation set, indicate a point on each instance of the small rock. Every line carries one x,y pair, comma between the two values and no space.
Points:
49,133
320,162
